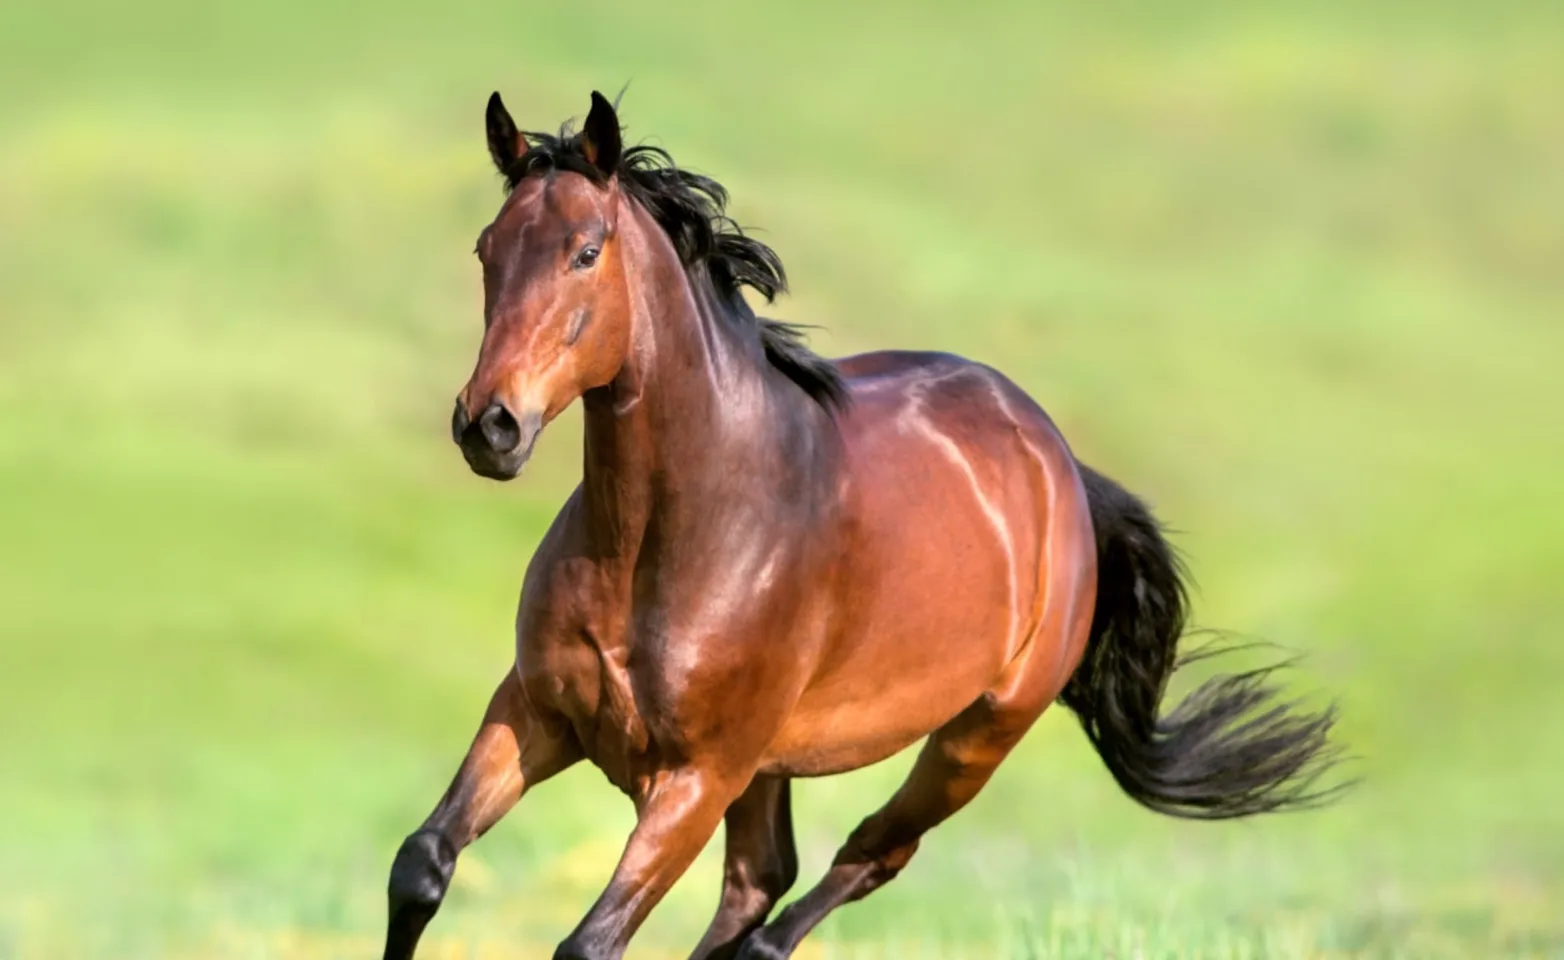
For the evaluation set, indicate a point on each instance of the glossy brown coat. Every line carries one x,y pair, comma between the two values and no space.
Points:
751,583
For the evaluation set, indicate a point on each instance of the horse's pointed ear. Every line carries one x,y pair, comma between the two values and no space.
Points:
600,136
506,144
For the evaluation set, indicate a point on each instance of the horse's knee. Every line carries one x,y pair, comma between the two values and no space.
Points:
421,873
755,898
753,894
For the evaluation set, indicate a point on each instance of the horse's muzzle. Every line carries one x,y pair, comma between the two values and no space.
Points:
497,444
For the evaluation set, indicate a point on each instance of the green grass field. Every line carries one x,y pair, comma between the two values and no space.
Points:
1296,275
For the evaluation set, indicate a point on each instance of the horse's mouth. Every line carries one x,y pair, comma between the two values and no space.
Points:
493,464
498,466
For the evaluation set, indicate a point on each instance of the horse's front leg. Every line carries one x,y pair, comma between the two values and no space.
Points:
760,864
677,817
513,751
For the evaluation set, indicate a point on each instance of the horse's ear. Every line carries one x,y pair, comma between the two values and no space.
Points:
506,144
600,136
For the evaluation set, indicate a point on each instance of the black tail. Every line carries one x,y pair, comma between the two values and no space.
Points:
1231,748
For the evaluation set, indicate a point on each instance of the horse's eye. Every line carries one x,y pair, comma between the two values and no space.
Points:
586,258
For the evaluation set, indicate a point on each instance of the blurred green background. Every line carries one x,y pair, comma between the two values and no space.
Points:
1294,273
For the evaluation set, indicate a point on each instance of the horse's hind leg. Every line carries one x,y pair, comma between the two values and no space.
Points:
760,865
512,751
953,766
958,758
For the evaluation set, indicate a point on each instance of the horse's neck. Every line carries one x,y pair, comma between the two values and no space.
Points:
682,414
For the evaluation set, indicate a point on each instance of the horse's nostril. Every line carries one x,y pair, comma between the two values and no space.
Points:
500,429
459,421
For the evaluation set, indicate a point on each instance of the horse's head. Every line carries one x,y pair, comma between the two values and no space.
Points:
556,307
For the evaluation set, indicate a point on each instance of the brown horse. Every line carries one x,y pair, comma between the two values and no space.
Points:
780,566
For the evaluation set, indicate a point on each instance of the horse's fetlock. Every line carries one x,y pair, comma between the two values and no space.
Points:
422,871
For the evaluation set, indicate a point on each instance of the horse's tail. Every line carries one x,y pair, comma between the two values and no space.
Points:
1231,748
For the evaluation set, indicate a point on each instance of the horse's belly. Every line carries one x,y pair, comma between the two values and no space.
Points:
836,734
928,635
914,667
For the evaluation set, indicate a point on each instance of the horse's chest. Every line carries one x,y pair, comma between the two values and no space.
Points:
628,670
585,677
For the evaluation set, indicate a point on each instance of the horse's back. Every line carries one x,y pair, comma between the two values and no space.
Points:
935,440
943,396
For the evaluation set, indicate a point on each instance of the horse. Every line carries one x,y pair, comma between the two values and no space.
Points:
778,565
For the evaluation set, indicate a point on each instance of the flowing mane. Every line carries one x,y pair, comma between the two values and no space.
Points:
691,210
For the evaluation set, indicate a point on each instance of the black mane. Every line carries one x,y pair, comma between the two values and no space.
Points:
690,209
